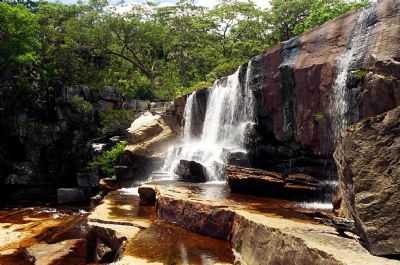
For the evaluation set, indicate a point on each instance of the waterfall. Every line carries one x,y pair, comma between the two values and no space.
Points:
354,53
188,117
228,117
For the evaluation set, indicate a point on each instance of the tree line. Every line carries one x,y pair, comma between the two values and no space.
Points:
148,52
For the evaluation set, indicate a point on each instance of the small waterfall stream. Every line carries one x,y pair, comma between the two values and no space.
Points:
353,55
229,115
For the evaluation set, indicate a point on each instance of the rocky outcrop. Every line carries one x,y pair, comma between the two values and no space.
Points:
294,85
272,184
149,138
368,159
259,231
42,236
295,99
191,171
144,127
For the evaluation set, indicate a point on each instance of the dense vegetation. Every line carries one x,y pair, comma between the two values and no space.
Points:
148,52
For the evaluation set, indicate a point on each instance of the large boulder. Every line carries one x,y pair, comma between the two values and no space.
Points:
368,160
149,138
191,171
144,127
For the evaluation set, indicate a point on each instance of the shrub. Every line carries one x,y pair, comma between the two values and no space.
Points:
116,120
81,105
106,161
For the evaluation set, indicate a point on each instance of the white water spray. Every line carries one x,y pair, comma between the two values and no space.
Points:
229,115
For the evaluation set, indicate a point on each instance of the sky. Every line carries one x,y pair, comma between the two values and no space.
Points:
207,3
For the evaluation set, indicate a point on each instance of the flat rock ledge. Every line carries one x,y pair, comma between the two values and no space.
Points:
258,236
272,184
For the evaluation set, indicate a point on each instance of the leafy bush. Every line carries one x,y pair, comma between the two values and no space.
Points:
81,105
106,161
223,69
187,90
116,120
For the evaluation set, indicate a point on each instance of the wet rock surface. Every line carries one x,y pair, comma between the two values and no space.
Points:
368,159
42,236
191,171
262,230
272,184
132,234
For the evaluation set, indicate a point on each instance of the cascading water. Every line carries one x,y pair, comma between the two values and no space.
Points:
342,111
229,115
355,51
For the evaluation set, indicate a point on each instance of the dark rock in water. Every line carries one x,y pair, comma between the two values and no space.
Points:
70,195
191,171
147,195
272,184
368,160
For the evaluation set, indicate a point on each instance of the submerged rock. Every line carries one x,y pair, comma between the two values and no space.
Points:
368,159
191,171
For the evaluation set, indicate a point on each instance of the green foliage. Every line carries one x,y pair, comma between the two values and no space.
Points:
223,69
321,11
150,52
19,35
116,120
106,161
360,73
181,91
81,105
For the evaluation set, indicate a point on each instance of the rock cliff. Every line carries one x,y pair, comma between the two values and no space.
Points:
368,159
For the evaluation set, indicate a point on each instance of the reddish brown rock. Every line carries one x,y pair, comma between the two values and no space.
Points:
215,222
368,159
259,233
313,59
272,184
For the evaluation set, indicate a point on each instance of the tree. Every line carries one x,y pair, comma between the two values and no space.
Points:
324,10
19,35
286,14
